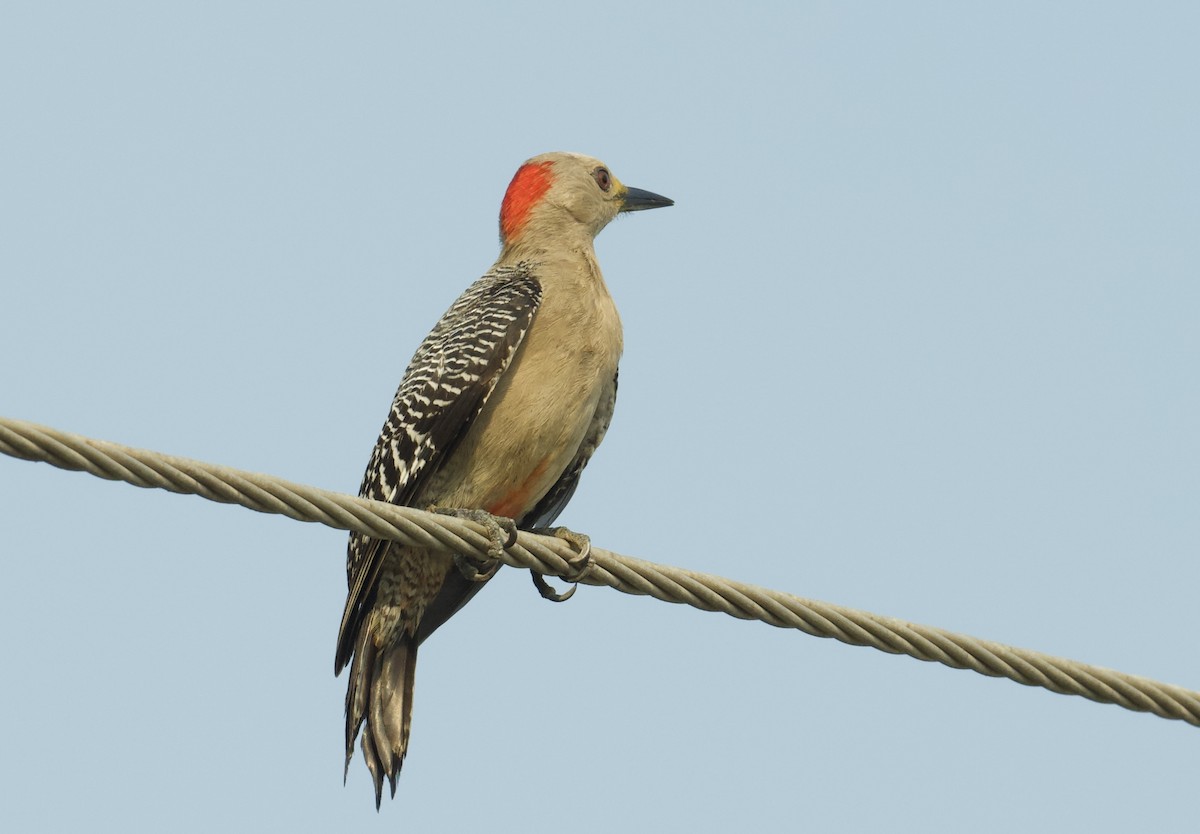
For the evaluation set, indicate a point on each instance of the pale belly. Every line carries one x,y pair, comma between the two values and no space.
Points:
540,413
524,439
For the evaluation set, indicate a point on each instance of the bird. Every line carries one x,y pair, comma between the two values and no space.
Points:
498,412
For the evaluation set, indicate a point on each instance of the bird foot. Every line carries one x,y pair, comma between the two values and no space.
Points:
578,565
501,533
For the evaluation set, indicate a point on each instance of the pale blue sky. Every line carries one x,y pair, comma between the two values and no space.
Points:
920,336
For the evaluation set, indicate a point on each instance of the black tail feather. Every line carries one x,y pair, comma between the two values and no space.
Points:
379,693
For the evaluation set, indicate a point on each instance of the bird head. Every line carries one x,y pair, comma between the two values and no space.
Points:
566,195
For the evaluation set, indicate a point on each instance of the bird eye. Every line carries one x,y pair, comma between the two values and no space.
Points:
603,178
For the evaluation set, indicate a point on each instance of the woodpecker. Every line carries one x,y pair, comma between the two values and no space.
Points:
499,411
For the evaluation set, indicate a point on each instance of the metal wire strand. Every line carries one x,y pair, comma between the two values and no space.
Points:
549,555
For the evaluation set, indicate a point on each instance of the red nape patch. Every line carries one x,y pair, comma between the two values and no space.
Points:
528,185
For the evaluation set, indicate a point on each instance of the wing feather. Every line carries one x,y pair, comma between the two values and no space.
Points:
446,385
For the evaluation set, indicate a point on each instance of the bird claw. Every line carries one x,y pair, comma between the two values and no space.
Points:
501,533
476,570
578,565
547,592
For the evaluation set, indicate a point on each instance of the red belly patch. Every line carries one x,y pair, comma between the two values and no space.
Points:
521,498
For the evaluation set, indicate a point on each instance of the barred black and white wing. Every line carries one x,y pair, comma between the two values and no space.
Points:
447,383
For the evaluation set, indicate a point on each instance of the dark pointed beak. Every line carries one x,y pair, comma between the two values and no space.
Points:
638,200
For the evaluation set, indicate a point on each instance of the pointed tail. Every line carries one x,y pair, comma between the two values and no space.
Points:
380,693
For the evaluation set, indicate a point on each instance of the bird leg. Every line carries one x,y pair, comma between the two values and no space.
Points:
501,533
578,565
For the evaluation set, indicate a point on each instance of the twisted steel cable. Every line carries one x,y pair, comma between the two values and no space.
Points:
548,555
